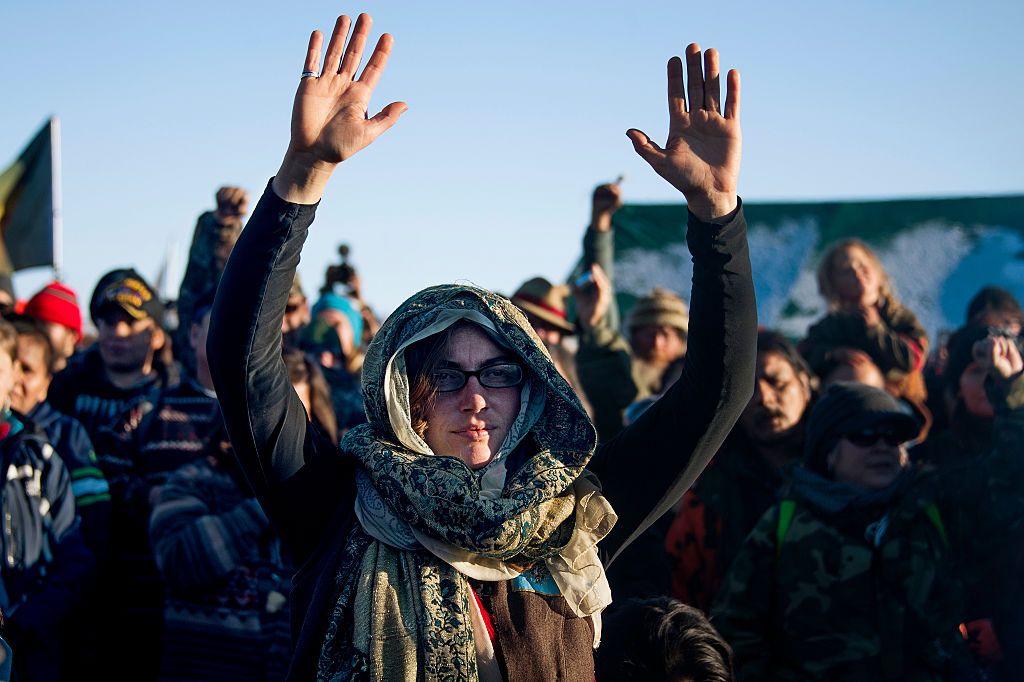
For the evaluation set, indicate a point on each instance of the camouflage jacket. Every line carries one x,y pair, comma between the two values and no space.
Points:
827,604
211,242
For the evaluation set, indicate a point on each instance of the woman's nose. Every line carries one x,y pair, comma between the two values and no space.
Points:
472,397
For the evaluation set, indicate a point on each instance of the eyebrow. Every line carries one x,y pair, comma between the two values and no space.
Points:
498,359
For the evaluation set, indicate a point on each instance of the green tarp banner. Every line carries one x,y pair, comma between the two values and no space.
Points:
938,253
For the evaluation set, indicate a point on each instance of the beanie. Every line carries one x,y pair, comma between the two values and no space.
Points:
56,303
345,306
847,407
660,307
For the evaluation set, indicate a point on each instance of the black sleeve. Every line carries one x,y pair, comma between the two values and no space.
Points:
651,463
298,474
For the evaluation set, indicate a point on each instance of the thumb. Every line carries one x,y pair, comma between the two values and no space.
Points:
387,117
645,147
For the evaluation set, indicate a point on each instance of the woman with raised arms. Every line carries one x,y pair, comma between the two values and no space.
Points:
463,533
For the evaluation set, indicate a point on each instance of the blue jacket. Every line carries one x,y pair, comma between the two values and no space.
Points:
45,562
88,484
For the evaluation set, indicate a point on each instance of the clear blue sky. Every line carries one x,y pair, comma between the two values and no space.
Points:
516,111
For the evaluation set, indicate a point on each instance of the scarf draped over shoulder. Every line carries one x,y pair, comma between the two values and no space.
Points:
427,522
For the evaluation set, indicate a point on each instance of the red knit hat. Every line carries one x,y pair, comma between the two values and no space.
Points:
56,303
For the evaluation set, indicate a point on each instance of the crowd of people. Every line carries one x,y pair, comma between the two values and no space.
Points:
247,484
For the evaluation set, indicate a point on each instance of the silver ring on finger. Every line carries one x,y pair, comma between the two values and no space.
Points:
309,74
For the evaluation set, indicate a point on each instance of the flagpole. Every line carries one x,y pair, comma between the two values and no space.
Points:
55,200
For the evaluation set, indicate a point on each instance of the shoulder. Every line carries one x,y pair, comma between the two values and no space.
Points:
80,366
900,317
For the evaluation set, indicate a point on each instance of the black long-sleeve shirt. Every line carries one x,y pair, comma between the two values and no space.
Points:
306,484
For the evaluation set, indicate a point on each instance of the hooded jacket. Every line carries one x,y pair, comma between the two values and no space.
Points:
307,485
45,562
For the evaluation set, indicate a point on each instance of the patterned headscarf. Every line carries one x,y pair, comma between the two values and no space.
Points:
427,522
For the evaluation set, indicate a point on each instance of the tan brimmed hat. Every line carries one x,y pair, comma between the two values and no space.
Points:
546,302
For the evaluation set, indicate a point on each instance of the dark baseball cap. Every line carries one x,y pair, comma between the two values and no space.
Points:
126,290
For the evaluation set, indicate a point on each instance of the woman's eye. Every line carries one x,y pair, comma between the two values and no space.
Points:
446,378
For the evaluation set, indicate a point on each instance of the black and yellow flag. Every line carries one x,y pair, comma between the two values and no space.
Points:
27,205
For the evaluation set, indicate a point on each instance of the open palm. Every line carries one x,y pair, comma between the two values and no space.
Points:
329,116
702,155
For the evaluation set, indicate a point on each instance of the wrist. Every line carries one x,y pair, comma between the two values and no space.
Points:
601,221
226,220
712,206
302,178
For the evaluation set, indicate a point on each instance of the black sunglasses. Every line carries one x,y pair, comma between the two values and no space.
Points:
500,375
865,438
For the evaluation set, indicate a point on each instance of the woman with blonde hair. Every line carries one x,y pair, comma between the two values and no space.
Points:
865,315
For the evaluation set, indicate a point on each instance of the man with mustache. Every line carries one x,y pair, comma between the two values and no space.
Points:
743,480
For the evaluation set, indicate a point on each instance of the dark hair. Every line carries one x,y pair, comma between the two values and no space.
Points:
961,354
771,341
840,358
30,329
302,368
992,298
659,639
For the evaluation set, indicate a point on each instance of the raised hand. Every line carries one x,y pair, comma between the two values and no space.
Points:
330,118
592,302
999,356
702,155
607,199
232,204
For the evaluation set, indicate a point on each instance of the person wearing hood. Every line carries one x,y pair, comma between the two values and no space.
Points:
859,572
463,532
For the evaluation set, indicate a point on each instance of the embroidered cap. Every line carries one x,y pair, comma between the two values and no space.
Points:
127,290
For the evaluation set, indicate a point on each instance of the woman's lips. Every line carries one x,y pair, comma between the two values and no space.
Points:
474,434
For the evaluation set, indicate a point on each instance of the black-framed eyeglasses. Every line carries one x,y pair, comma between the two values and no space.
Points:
865,438
499,375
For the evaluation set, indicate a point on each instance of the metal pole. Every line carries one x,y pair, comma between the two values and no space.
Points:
55,200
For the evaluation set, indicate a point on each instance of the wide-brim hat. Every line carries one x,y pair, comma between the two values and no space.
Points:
545,301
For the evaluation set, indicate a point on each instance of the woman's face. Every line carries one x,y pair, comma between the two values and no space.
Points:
33,379
8,376
855,278
972,390
870,465
471,423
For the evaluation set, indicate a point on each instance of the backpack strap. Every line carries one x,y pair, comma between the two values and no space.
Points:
932,511
786,510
